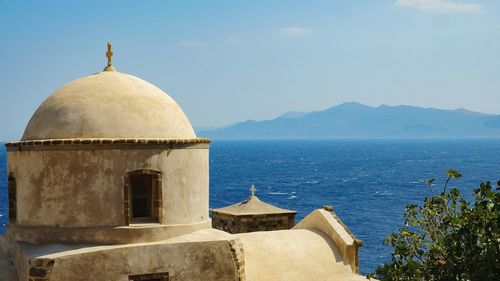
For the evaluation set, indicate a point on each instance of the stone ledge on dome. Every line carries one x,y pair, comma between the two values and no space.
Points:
17,145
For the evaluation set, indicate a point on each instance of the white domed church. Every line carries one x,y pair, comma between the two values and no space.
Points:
109,182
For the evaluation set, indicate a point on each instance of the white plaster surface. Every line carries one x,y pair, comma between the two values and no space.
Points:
324,221
293,255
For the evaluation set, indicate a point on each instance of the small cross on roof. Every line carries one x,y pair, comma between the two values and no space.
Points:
252,190
109,55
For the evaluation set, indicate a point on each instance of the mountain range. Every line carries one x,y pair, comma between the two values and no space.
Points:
355,120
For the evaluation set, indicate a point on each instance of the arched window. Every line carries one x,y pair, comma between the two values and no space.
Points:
143,197
12,192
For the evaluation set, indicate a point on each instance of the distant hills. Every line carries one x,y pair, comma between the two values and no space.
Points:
355,120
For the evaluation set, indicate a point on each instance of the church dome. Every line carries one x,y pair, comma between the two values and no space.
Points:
109,104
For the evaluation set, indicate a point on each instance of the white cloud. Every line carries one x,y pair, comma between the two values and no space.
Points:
233,40
441,6
295,31
191,44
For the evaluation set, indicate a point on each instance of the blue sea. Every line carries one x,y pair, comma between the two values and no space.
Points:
368,182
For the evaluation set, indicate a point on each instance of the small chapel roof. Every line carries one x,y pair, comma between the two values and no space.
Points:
252,206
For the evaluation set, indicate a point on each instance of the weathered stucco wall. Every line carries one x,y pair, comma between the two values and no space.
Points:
203,255
85,187
8,271
185,261
309,253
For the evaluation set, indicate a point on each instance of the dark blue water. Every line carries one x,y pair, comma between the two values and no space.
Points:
367,182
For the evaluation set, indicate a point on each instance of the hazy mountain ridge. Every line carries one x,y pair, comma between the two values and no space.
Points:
355,120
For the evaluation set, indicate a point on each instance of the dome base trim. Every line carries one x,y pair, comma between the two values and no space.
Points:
106,143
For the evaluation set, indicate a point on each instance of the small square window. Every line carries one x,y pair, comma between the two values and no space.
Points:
163,276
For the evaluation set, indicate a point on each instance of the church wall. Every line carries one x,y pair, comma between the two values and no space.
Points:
83,188
207,261
185,186
251,223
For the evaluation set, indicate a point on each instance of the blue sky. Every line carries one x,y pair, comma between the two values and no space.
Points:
228,61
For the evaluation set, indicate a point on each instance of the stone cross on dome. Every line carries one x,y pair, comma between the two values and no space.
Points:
109,55
252,190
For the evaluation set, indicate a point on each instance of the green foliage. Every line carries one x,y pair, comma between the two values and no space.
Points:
447,238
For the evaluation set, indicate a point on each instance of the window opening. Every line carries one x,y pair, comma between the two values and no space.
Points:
142,196
149,277
12,193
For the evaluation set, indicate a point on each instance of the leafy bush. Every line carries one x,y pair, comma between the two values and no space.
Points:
447,238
